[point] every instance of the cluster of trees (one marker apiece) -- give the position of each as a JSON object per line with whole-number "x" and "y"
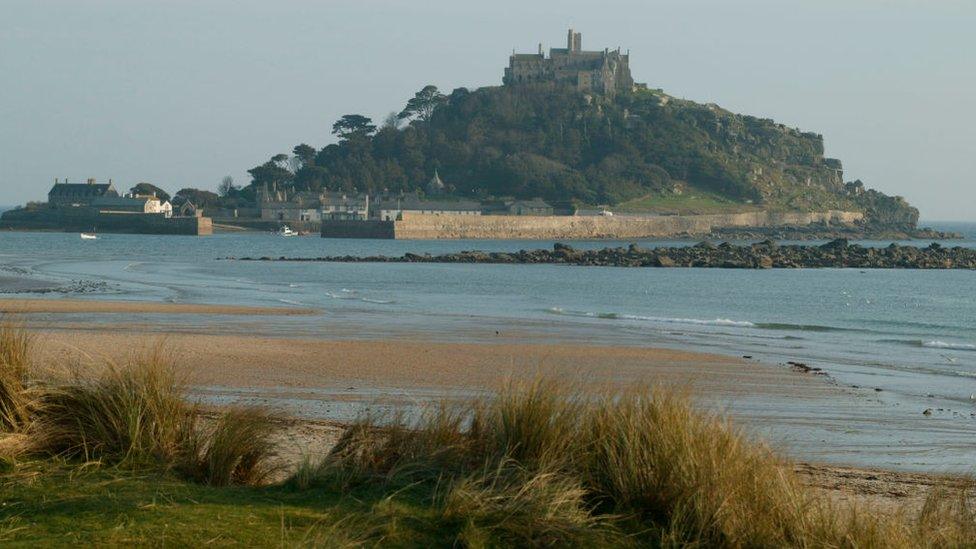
{"x": 553, "y": 142}
{"x": 540, "y": 140}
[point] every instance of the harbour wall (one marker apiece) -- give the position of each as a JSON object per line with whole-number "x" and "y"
{"x": 415, "y": 226}
{"x": 87, "y": 219}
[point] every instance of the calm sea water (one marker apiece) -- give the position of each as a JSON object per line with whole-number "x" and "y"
{"x": 910, "y": 333}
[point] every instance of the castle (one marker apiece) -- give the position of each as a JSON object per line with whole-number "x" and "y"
{"x": 605, "y": 72}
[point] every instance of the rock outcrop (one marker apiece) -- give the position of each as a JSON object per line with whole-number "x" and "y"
{"x": 767, "y": 254}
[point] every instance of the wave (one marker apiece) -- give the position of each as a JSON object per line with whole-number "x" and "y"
{"x": 933, "y": 344}
{"x": 936, "y": 344}
{"x": 290, "y": 301}
{"x": 338, "y": 296}
{"x": 350, "y": 295}
{"x": 378, "y": 301}
{"x": 663, "y": 320}
{"x": 804, "y": 327}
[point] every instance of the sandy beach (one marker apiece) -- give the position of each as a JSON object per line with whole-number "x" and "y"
{"x": 277, "y": 363}
{"x": 27, "y": 306}
{"x": 319, "y": 384}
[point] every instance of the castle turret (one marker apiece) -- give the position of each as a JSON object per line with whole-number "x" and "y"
{"x": 574, "y": 41}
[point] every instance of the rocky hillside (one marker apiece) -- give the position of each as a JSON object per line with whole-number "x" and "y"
{"x": 563, "y": 145}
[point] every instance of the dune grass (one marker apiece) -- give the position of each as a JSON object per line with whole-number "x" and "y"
{"x": 15, "y": 366}
{"x": 133, "y": 415}
{"x": 119, "y": 456}
{"x": 543, "y": 464}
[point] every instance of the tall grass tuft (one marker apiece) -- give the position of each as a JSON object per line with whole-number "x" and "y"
{"x": 512, "y": 506}
{"x": 652, "y": 455}
{"x": 235, "y": 451}
{"x": 131, "y": 414}
{"x": 544, "y": 464}
{"x": 138, "y": 415}
{"x": 15, "y": 365}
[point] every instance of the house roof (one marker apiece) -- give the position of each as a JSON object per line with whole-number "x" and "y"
{"x": 413, "y": 202}
{"x": 122, "y": 201}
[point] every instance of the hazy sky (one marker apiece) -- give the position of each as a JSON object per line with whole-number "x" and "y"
{"x": 181, "y": 93}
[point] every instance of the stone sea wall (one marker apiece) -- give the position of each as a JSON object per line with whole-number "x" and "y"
{"x": 431, "y": 226}
{"x": 87, "y": 219}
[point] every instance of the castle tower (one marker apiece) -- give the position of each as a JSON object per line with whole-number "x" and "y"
{"x": 574, "y": 41}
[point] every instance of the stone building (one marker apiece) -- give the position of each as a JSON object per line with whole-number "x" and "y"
{"x": 282, "y": 205}
{"x": 344, "y": 206}
{"x": 536, "y": 206}
{"x": 142, "y": 204}
{"x": 79, "y": 194}
{"x": 391, "y": 208}
{"x": 605, "y": 72}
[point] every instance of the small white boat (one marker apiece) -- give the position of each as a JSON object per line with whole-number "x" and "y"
{"x": 89, "y": 236}
{"x": 286, "y": 231}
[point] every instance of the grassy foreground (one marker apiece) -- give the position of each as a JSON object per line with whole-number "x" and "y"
{"x": 117, "y": 456}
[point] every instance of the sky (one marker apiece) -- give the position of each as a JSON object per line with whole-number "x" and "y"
{"x": 180, "y": 93}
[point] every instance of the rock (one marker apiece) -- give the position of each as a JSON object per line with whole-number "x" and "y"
{"x": 762, "y": 255}
{"x": 664, "y": 261}
{"x": 927, "y": 412}
{"x": 836, "y": 244}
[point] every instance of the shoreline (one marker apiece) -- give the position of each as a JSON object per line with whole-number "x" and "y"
{"x": 319, "y": 385}
{"x": 15, "y": 306}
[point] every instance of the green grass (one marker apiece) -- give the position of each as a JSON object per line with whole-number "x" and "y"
{"x": 51, "y": 503}
{"x": 692, "y": 201}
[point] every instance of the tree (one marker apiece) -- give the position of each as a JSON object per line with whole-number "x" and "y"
{"x": 269, "y": 172}
{"x": 305, "y": 154}
{"x": 392, "y": 121}
{"x": 149, "y": 188}
{"x": 353, "y": 126}
{"x": 199, "y": 198}
{"x": 226, "y": 186}
{"x": 423, "y": 104}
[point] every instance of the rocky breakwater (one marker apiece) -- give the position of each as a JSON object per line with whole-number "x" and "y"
{"x": 761, "y": 255}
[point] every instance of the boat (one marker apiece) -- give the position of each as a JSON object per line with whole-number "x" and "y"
{"x": 89, "y": 236}
{"x": 286, "y": 231}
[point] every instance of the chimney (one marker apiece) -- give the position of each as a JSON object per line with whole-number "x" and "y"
{"x": 540, "y": 48}
{"x": 91, "y": 180}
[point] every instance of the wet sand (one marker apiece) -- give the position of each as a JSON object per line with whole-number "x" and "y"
{"x": 285, "y": 364}
{"x": 29, "y": 306}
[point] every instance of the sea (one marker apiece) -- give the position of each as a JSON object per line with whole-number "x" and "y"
{"x": 905, "y": 340}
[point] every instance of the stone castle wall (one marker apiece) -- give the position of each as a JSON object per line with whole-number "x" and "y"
{"x": 427, "y": 226}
